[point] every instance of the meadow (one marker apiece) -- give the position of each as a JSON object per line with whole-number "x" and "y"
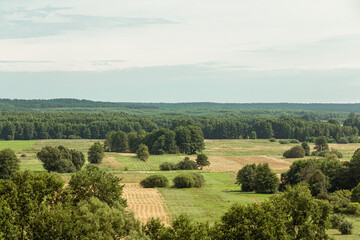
{"x": 202, "y": 204}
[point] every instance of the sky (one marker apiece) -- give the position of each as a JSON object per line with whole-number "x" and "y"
{"x": 180, "y": 50}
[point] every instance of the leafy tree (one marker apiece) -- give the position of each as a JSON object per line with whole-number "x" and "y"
{"x": 355, "y": 168}
{"x": 94, "y": 182}
{"x": 143, "y": 152}
{"x": 245, "y": 176}
{"x": 253, "y": 135}
{"x": 306, "y": 148}
{"x": 197, "y": 139}
{"x": 153, "y": 181}
{"x": 9, "y": 163}
{"x": 321, "y": 143}
{"x": 202, "y": 161}
{"x": 183, "y": 139}
{"x": 264, "y": 181}
{"x": 318, "y": 183}
{"x": 61, "y": 159}
{"x": 295, "y": 152}
{"x": 355, "y": 194}
{"x": 96, "y": 153}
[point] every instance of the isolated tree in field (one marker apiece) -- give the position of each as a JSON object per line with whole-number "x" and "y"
{"x": 321, "y": 143}
{"x": 96, "y": 153}
{"x": 245, "y": 176}
{"x": 306, "y": 148}
{"x": 9, "y": 163}
{"x": 264, "y": 181}
{"x": 202, "y": 160}
{"x": 143, "y": 152}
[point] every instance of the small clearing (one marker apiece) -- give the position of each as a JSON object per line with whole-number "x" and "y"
{"x": 146, "y": 203}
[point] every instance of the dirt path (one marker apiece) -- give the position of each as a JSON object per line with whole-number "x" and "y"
{"x": 146, "y": 203}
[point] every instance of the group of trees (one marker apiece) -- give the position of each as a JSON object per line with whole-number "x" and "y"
{"x": 258, "y": 178}
{"x": 61, "y": 159}
{"x": 188, "y": 140}
{"x": 186, "y": 164}
{"x": 39, "y": 206}
{"x": 34, "y": 125}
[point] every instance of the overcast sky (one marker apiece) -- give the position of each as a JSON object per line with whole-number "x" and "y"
{"x": 181, "y": 51}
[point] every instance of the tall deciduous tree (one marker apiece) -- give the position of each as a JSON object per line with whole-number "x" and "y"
{"x": 143, "y": 152}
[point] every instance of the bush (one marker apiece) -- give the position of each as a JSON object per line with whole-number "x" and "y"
{"x": 23, "y": 155}
{"x": 65, "y": 166}
{"x": 184, "y": 181}
{"x": 334, "y": 151}
{"x": 272, "y": 140}
{"x": 294, "y": 141}
{"x": 284, "y": 142}
{"x": 96, "y": 153}
{"x": 323, "y": 153}
{"x": 346, "y": 227}
{"x": 306, "y": 148}
{"x": 199, "y": 180}
{"x": 355, "y": 194}
{"x": 189, "y": 180}
{"x": 155, "y": 181}
{"x": 336, "y": 220}
{"x": 166, "y": 166}
{"x": 343, "y": 140}
{"x": 295, "y": 152}
{"x": 354, "y": 139}
{"x": 186, "y": 164}
{"x": 143, "y": 152}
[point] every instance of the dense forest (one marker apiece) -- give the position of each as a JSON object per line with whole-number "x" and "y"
{"x": 35, "y": 125}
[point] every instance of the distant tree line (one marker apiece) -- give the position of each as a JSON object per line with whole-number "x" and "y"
{"x": 68, "y": 125}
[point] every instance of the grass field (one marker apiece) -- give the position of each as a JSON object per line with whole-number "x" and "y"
{"x": 202, "y": 204}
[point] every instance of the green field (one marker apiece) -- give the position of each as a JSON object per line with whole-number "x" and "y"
{"x": 202, "y": 204}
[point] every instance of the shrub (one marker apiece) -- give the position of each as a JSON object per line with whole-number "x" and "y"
{"x": 155, "y": 181}
{"x": 336, "y": 220}
{"x": 23, "y": 155}
{"x": 323, "y": 153}
{"x": 245, "y": 176}
{"x": 284, "y": 142}
{"x": 353, "y": 209}
{"x": 294, "y": 141}
{"x": 9, "y": 163}
{"x": 353, "y": 139}
{"x": 199, "y": 180}
{"x": 272, "y": 140}
{"x": 189, "y": 180}
{"x": 186, "y": 164}
{"x": 346, "y": 227}
{"x": 355, "y": 194}
{"x": 295, "y": 152}
{"x": 166, "y": 166}
{"x": 253, "y": 135}
{"x": 334, "y": 151}
{"x": 65, "y": 166}
{"x": 184, "y": 181}
{"x": 343, "y": 140}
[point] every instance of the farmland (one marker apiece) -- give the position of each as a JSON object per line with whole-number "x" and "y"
{"x": 202, "y": 204}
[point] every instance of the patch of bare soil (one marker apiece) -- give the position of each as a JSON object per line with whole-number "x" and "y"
{"x": 235, "y": 163}
{"x": 146, "y": 203}
{"x": 127, "y": 154}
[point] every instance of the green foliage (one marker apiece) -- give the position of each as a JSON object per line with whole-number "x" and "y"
{"x": 189, "y": 180}
{"x": 245, "y": 176}
{"x": 343, "y": 140}
{"x": 295, "y": 152}
{"x": 321, "y": 143}
{"x": 143, "y": 152}
{"x": 346, "y": 227}
{"x": 272, "y": 140}
{"x": 355, "y": 194}
{"x": 252, "y": 135}
{"x": 61, "y": 159}
{"x": 318, "y": 183}
{"x": 116, "y": 142}
{"x": 94, "y": 182}
{"x": 9, "y": 163}
{"x": 336, "y": 220}
{"x": 284, "y": 142}
{"x": 96, "y": 153}
{"x": 154, "y": 181}
{"x": 166, "y": 166}
{"x": 294, "y": 141}
{"x": 294, "y": 214}
{"x": 202, "y": 161}
{"x": 264, "y": 180}
{"x": 186, "y": 164}
{"x": 306, "y": 148}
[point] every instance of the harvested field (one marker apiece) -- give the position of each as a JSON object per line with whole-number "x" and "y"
{"x": 110, "y": 162}
{"x": 234, "y": 163}
{"x": 146, "y": 203}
